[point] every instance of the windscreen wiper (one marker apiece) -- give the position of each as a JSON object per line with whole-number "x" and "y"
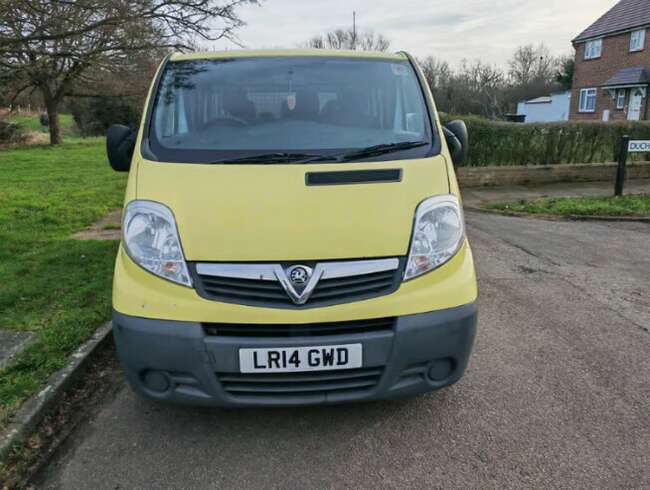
{"x": 284, "y": 157}
{"x": 278, "y": 157}
{"x": 371, "y": 151}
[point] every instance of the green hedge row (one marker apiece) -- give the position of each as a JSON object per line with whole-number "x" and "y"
{"x": 504, "y": 143}
{"x": 94, "y": 115}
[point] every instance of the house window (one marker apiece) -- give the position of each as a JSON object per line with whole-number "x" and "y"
{"x": 620, "y": 99}
{"x": 637, "y": 40}
{"x": 593, "y": 49}
{"x": 588, "y": 100}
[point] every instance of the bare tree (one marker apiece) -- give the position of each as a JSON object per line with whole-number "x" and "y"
{"x": 439, "y": 76}
{"x": 486, "y": 84}
{"x": 50, "y": 46}
{"x": 473, "y": 88}
{"x": 437, "y": 72}
{"x": 532, "y": 73}
{"x": 340, "y": 39}
{"x": 350, "y": 39}
{"x": 371, "y": 41}
{"x": 565, "y": 71}
{"x": 487, "y": 90}
{"x": 522, "y": 64}
{"x": 531, "y": 64}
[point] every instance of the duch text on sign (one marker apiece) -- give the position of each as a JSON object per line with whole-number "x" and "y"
{"x": 639, "y": 146}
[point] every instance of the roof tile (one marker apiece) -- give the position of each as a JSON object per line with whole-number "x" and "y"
{"x": 626, "y": 14}
{"x": 629, "y": 76}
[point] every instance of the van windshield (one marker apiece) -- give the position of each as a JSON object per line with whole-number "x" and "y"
{"x": 298, "y": 108}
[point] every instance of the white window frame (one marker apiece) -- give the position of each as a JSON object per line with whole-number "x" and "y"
{"x": 587, "y": 94}
{"x": 594, "y": 49}
{"x": 637, "y": 40}
{"x": 621, "y": 96}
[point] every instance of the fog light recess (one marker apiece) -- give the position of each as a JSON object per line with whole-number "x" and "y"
{"x": 157, "y": 381}
{"x": 441, "y": 369}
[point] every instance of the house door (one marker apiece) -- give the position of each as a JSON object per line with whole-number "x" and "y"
{"x": 634, "y": 109}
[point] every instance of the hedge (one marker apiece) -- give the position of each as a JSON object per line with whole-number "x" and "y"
{"x": 10, "y": 133}
{"x": 505, "y": 143}
{"x": 94, "y": 115}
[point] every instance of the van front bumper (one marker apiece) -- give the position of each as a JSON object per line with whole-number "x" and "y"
{"x": 180, "y": 363}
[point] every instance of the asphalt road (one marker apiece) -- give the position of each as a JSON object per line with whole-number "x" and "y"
{"x": 557, "y": 394}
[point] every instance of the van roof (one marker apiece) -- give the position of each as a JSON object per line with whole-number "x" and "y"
{"x": 268, "y": 53}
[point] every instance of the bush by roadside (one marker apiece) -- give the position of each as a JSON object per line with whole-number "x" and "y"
{"x": 11, "y": 133}
{"x": 504, "y": 143}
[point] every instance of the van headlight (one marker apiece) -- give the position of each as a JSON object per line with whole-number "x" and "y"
{"x": 438, "y": 234}
{"x": 151, "y": 239}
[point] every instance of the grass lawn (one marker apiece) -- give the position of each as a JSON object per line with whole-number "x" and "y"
{"x": 638, "y": 205}
{"x": 51, "y": 285}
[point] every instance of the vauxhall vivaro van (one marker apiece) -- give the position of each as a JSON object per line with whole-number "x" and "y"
{"x": 292, "y": 232}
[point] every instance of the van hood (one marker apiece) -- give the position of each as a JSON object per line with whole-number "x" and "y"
{"x": 269, "y": 213}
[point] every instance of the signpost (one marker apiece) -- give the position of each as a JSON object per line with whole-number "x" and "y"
{"x": 628, "y": 146}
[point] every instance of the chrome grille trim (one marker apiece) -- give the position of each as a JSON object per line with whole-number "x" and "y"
{"x": 267, "y": 284}
{"x": 267, "y": 272}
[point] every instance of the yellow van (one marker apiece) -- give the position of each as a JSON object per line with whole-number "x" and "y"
{"x": 292, "y": 232}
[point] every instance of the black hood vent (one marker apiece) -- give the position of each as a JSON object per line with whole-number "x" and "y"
{"x": 346, "y": 177}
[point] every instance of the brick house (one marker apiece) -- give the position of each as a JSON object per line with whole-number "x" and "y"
{"x": 612, "y": 70}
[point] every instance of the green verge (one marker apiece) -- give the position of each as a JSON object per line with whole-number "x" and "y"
{"x": 54, "y": 286}
{"x": 634, "y": 205}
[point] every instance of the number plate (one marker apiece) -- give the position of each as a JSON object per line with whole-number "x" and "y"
{"x": 297, "y": 359}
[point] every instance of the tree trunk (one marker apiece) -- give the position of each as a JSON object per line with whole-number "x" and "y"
{"x": 52, "y": 107}
{"x": 53, "y": 117}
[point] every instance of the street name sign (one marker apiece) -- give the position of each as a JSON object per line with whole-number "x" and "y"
{"x": 638, "y": 146}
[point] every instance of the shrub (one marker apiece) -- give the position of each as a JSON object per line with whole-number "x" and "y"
{"x": 504, "y": 143}
{"x": 11, "y": 133}
{"x": 94, "y": 115}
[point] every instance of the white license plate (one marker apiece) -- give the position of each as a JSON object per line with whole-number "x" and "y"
{"x": 297, "y": 359}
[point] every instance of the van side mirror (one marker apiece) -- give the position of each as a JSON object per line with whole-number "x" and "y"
{"x": 457, "y": 140}
{"x": 120, "y": 143}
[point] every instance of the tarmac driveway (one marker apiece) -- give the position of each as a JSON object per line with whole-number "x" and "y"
{"x": 557, "y": 393}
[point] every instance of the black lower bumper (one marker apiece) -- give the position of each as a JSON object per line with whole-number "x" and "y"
{"x": 179, "y": 362}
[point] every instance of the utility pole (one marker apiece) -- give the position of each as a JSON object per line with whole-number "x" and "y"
{"x": 354, "y": 29}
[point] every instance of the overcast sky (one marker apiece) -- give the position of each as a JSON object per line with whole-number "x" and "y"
{"x": 451, "y": 30}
